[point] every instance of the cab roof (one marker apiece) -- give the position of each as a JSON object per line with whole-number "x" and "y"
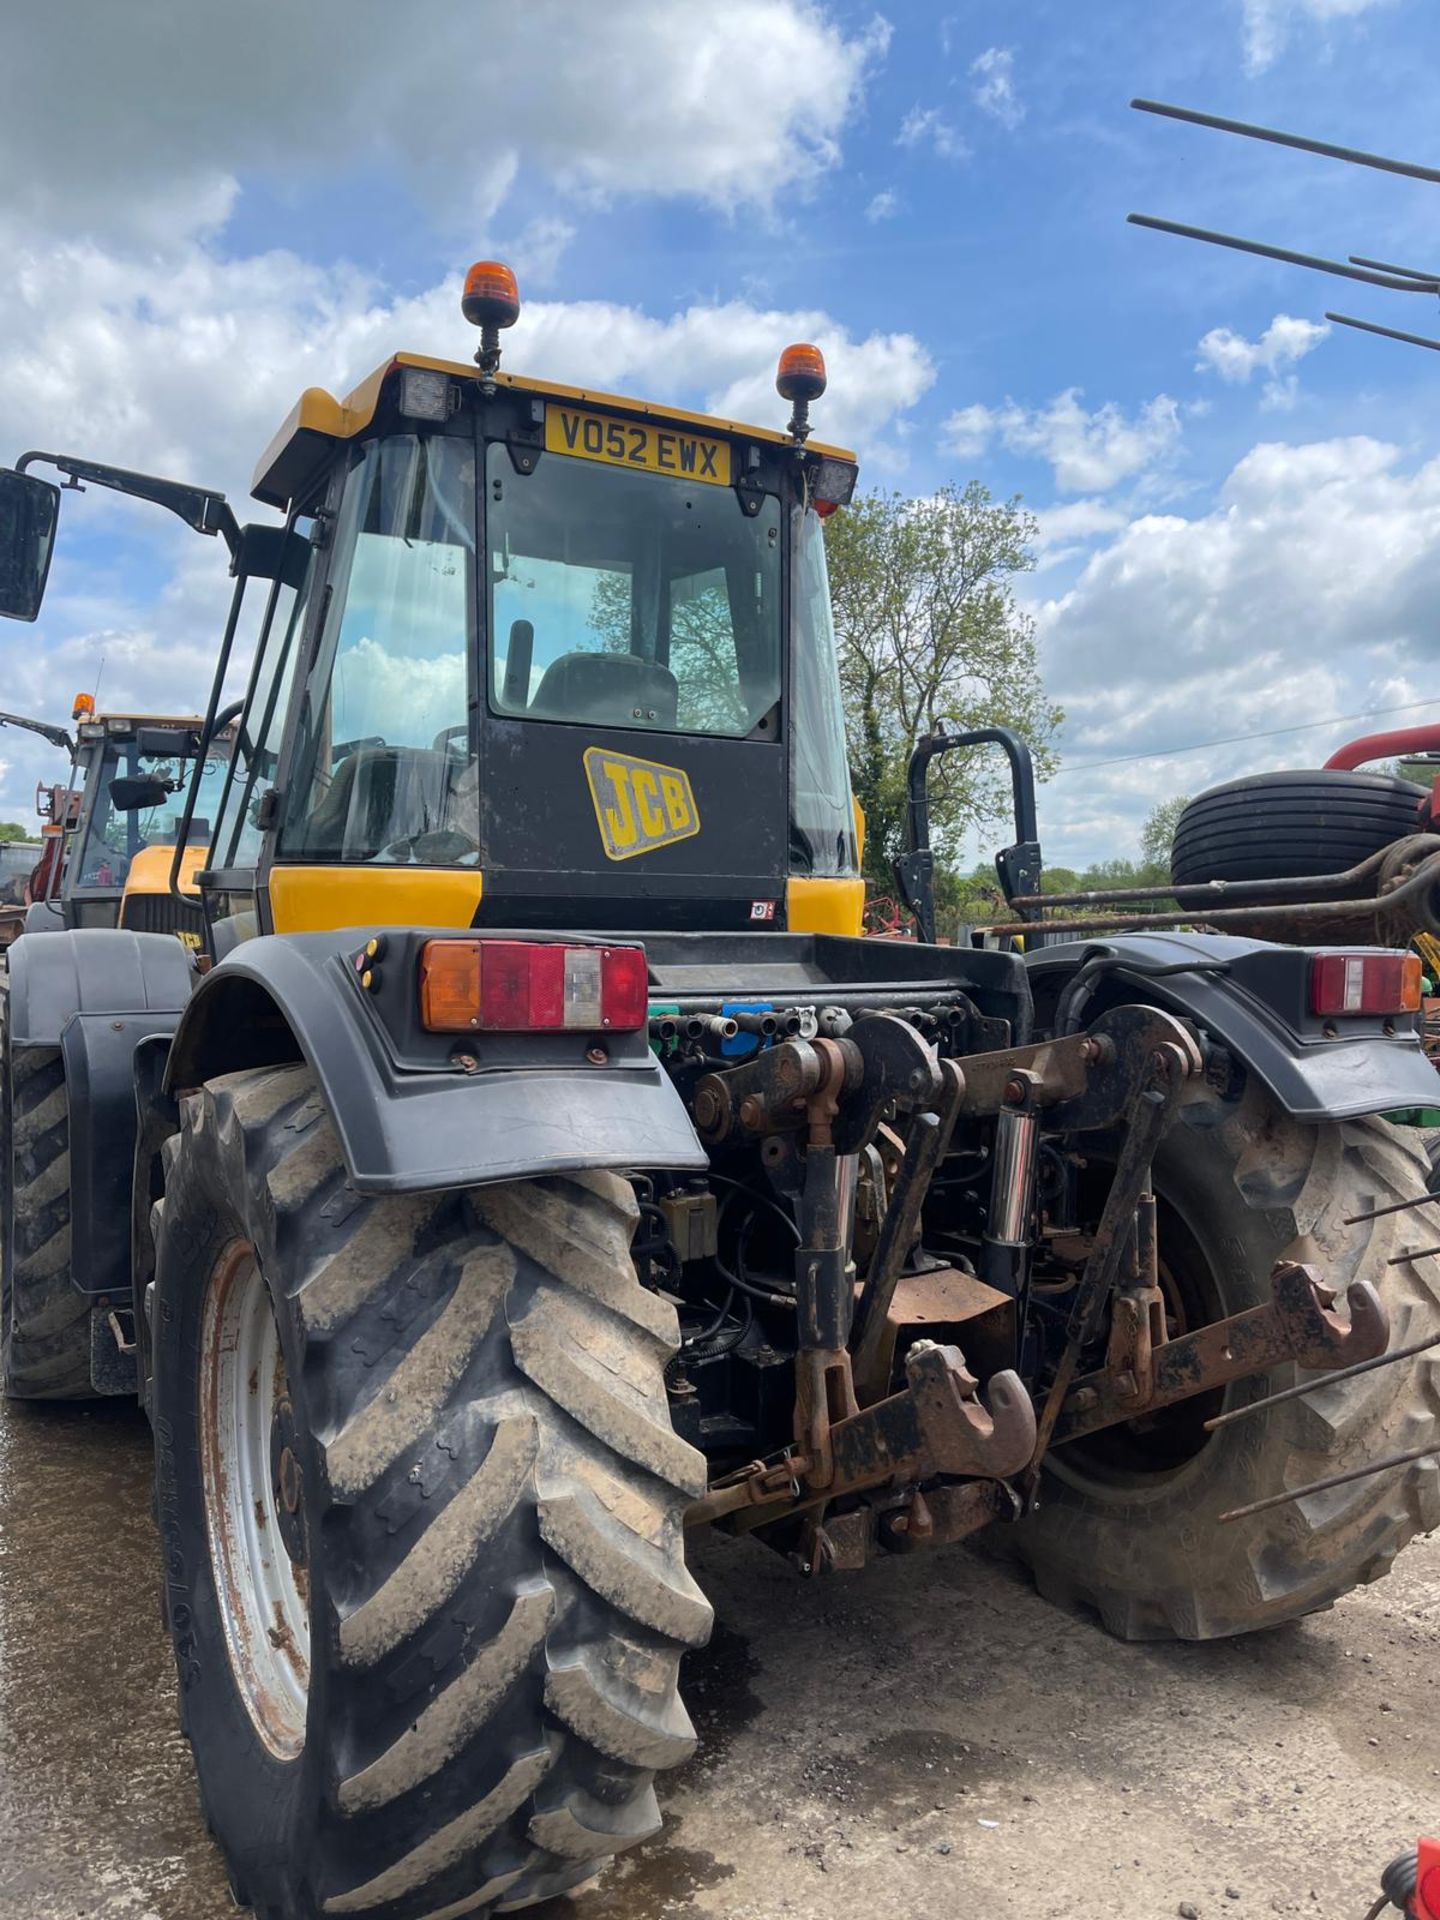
{"x": 187, "y": 721}
{"x": 318, "y": 421}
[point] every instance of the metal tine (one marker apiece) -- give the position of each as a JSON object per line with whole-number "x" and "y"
{"x": 1389, "y": 266}
{"x": 1395, "y": 1206}
{"x": 1335, "y": 1480}
{"x": 1390, "y": 333}
{"x": 1311, "y": 1386}
{"x": 1355, "y": 155}
{"x": 1281, "y": 253}
{"x": 1415, "y": 1253}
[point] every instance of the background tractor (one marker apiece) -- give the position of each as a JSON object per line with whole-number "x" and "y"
{"x": 118, "y": 821}
{"x": 536, "y": 1165}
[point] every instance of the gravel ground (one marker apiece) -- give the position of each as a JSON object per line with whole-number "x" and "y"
{"x": 926, "y": 1738}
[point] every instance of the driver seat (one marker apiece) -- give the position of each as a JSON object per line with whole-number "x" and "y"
{"x": 380, "y": 795}
{"x": 609, "y": 689}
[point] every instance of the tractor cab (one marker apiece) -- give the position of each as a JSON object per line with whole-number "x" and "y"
{"x": 120, "y": 819}
{"x": 541, "y": 657}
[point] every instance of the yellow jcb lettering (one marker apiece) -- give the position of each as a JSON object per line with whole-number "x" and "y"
{"x": 646, "y": 790}
{"x": 677, "y": 804}
{"x": 620, "y": 819}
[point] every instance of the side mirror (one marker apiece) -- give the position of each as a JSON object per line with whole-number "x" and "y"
{"x": 134, "y": 795}
{"x": 29, "y": 510}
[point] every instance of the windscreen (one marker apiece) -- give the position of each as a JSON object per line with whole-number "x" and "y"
{"x": 622, "y": 599}
{"x": 113, "y": 834}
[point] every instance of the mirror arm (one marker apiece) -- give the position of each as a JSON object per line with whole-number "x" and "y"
{"x": 57, "y": 736}
{"x": 199, "y": 507}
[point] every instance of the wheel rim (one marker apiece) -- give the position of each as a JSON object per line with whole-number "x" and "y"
{"x": 254, "y": 1501}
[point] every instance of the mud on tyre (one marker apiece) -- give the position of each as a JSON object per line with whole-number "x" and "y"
{"x": 479, "y": 1495}
{"x": 1128, "y": 1522}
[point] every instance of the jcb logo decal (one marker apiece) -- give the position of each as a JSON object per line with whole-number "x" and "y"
{"x": 639, "y": 804}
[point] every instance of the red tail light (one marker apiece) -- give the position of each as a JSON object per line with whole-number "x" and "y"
{"x": 1374, "y": 983}
{"x": 1427, "y": 1882}
{"x": 531, "y": 986}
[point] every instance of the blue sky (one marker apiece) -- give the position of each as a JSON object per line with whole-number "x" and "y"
{"x": 1240, "y": 510}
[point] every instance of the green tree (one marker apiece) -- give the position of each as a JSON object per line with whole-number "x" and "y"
{"x": 929, "y": 633}
{"x": 702, "y": 644}
{"x": 12, "y": 830}
{"x": 1157, "y": 836}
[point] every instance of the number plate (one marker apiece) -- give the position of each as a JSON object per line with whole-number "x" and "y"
{"x": 631, "y": 443}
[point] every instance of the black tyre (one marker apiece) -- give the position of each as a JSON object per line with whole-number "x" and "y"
{"x": 44, "y": 1320}
{"x": 421, "y": 1507}
{"x": 1128, "y": 1519}
{"x": 1280, "y": 826}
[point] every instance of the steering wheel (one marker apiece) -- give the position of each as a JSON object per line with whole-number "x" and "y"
{"x": 221, "y": 721}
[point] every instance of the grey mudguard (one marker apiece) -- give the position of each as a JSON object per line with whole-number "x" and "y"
{"x": 44, "y": 916}
{"x": 407, "y": 1130}
{"x": 94, "y": 970}
{"x": 1258, "y": 1009}
{"x": 96, "y": 994}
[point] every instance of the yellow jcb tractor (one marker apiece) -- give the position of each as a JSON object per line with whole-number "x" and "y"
{"x": 119, "y": 818}
{"x": 535, "y": 1165}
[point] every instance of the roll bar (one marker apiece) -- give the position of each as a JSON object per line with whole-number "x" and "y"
{"x": 1018, "y": 866}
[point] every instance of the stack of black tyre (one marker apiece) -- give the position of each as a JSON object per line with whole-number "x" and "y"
{"x": 1282, "y": 826}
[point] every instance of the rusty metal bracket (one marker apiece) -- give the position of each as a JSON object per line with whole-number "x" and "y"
{"x": 873, "y": 1338}
{"x": 1298, "y": 1325}
{"x": 775, "y": 1090}
{"x": 900, "y": 1069}
{"x": 1166, "y": 1070}
{"x": 1084, "y": 1080}
{"x": 945, "y": 1514}
{"x": 938, "y": 1424}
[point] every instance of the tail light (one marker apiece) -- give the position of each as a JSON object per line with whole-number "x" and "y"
{"x": 531, "y": 986}
{"x": 1427, "y": 1881}
{"x": 1373, "y": 983}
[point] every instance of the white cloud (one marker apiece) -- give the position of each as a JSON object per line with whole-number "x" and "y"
{"x": 884, "y": 206}
{"x": 1060, "y": 530}
{"x": 928, "y": 127}
{"x": 1268, "y": 23}
{"x": 169, "y": 105}
{"x": 994, "y": 92}
{"x": 1284, "y": 343}
{"x": 1307, "y": 590}
{"x": 968, "y": 431}
{"x": 538, "y": 249}
{"x": 1090, "y": 452}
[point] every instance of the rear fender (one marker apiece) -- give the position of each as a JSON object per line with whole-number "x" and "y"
{"x": 1255, "y": 1003}
{"x": 98, "y": 995}
{"x": 411, "y": 1123}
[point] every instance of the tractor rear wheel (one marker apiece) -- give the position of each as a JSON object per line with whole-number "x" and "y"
{"x": 422, "y": 1516}
{"x": 1127, "y": 1521}
{"x": 44, "y": 1319}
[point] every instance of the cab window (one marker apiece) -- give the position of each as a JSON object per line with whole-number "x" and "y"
{"x": 383, "y": 769}
{"x": 631, "y": 599}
